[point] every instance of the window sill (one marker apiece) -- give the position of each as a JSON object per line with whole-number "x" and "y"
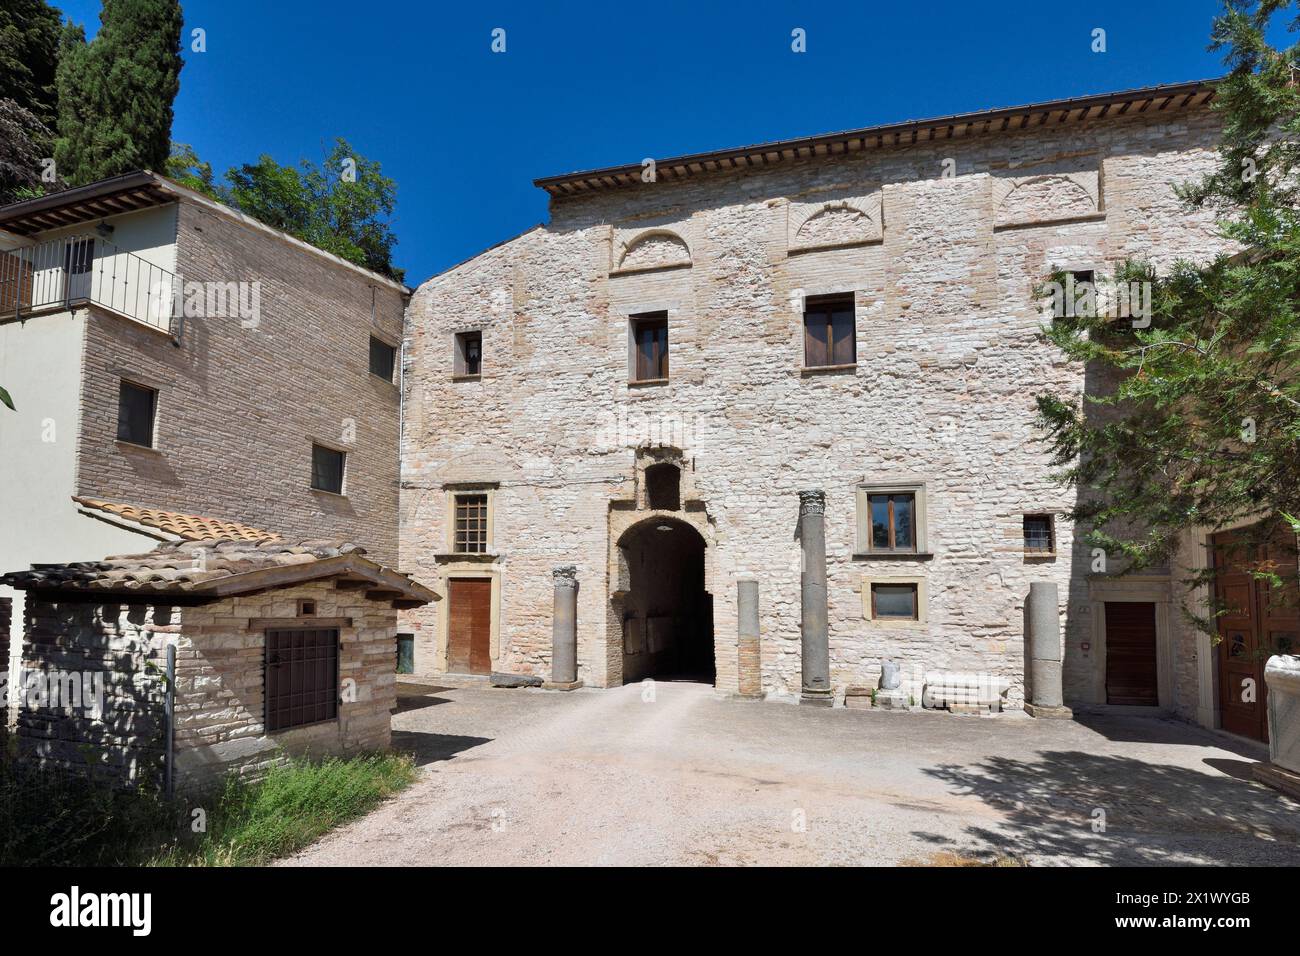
{"x": 380, "y": 378}
{"x": 467, "y": 557}
{"x": 467, "y": 378}
{"x": 827, "y": 369}
{"x": 639, "y": 382}
{"x": 893, "y": 555}
{"x": 123, "y": 443}
{"x": 1040, "y": 555}
{"x": 332, "y": 494}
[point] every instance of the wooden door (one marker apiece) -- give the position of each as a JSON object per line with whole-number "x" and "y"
{"x": 1258, "y": 621}
{"x": 469, "y": 626}
{"x": 1131, "y": 676}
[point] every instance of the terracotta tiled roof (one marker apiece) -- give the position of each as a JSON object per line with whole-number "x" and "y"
{"x": 213, "y": 569}
{"x": 189, "y": 527}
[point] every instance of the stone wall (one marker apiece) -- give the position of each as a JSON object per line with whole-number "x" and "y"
{"x": 219, "y": 685}
{"x": 948, "y": 364}
{"x": 239, "y": 407}
{"x": 75, "y": 647}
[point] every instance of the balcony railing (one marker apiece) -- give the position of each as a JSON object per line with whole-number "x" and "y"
{"x": 76, "y": 270}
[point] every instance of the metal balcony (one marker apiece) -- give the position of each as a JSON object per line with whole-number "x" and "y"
{"x": 74, "y": 271}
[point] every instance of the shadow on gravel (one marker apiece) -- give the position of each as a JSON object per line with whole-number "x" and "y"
{"x": 429, "y": 748}
{"x": 1055, "y": 804}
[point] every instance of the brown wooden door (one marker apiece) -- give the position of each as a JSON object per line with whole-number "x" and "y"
{"x": 469, "y": 626}
{"x": 1131, "y": 653}
{"x": 1257, "y": 622}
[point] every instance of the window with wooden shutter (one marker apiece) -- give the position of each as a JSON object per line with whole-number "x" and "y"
{"x": 301, "y": 679}
{"x": 650, "y": 347}
{"x": 830, "y": 333}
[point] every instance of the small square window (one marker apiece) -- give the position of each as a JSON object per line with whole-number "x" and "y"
{"x": 471, "y": 535}
{"x": 327, "y": 466}
{"x": 650, "y": 347}
{"x": 894, "y": 602}
{"x": 306, "y": 608}
{"x": 469, "y": 353}
{"x": 136, "y": 406}
{"x": 1039, "y": 535}
{"x": 829, "y": 332}
{"x": 383, "y": 358}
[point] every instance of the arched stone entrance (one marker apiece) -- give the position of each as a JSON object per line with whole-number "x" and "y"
{"x": 667, "y": 611}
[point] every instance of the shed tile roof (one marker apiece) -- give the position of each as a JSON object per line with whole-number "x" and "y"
{"x": 187, "y": 526}
{"x": 213, "y": 569}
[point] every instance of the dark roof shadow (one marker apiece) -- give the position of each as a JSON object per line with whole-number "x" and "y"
{"x": 429, "y": 748}
{"x": 1120, "y": 811}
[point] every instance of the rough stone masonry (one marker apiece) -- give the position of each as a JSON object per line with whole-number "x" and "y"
{"x": 939, "y": 244}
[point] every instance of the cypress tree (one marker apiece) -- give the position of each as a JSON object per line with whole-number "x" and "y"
{"x": 116, "y": 93}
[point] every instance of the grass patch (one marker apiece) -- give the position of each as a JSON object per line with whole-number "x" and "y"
{"x": 57, "y": 820}
{"x": 251, "y": 824}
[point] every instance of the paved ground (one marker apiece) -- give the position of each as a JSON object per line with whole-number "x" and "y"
{"x": 601, "y": 777}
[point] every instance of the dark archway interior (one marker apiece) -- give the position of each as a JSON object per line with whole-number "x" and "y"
{"x": 664, "y": 487}
{"x": 667, "y": 614}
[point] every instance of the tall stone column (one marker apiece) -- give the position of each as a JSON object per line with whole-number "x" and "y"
{"x": 815, "y": 635}
{"x": 748, "y": 653}
{"x": 1043, "y": 635}
{"x": 564, "y": 628}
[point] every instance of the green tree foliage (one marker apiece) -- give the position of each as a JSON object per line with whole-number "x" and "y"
{"x": 342, "y": 205}
{"x": 1202, "y": 428}
{"x": 29, "y": 45}
{"x": 115, "y": 93}
{"x": 21, "y": 153}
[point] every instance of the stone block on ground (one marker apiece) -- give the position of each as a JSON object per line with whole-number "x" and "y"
{"x": 515, "y": 680}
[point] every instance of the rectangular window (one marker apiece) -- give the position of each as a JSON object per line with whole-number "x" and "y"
{"x": 301, "y": 679}
{"x": 383, "y": 357}
{"x": 893, "y": 602}
{"x": 471, "y": 524}
{"x": 1077, "y": 299}
{"x": 327, "y": 469}
{"x": 829, "y": 333}
{"x": 893, "y": 522}
{"x": 136, "y": 405}
{"x": 650, "y": 347}
{"x": 469, "y": 353}
{"x": 1039, "y": 537}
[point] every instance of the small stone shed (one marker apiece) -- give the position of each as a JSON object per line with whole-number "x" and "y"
{"x": 281, "y": 649}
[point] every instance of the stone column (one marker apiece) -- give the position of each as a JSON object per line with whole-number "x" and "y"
{"x": 749, "y": 660}
{"x": 1043, "y": 637}
{"x": 816, "y": 650}
{"x": 564, "y": 629}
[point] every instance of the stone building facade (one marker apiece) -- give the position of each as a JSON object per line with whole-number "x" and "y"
{"x": 543, "y": 427}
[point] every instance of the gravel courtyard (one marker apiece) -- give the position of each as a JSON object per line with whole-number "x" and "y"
{"x": 603, "y": 777}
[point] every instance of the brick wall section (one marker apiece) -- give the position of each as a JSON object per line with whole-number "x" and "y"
{"x": 219, "y": 686}
{"x": 238, "y": 407}
{"x": 948, "y": 364}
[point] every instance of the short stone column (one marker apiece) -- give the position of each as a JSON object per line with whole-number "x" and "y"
{"x": 748, "y": 649}
{"x": 1043, "y": 648}
{"x": 814, "y": 631}
{"x": 564, "y": 630}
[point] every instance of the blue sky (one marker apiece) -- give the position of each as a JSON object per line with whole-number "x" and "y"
{"x": 464, "y": 131}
